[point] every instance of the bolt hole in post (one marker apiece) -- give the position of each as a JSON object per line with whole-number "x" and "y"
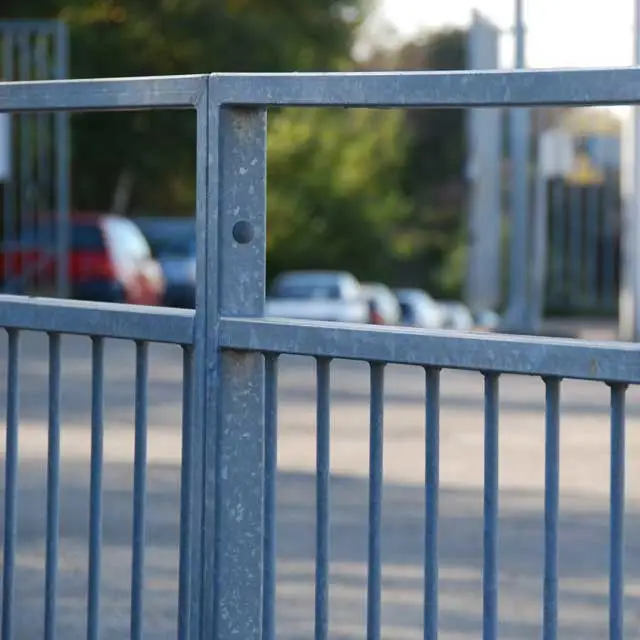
{"x": 243, "y": 232}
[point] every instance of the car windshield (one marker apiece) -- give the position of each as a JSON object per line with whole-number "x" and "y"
{"x": 304, "y": 290}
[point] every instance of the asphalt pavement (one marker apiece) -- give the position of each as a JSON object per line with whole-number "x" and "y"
{"x": 584, "y": 521}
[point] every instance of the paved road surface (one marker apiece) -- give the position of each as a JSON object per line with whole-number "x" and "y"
{"x": 583, "y": 527}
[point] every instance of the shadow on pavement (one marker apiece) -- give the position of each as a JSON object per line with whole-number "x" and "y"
{"x": 583, "y": 558}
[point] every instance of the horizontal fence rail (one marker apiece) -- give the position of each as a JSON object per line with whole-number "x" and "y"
{"x": 227, "y": 573}
{"x": 99, "y": 319}
{"x": 582, "y": 360}
{"x": 168, "y": 92}
{"x": 462, "y": 89}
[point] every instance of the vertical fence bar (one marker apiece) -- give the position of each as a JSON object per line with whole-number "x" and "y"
{"x": 616, "y": 550}
{"x": 139, "y": 491}
{"x": 575, "y": 235}
{"x": 432, "y": 482}
{"x": 62, "y": 163}
{"x": 11, "y": 484}
{"x": 323, "y": 470}
{"x": 376, "y": 451}
{"x": 42, "y": 182}
{"x": 610, "y": 235}
{"x": 234, "y": 499}
{"x": 591, "y": 246}
{"x": 559, "y": 241}
{"x": 53, "y": 490}
{"x": 551, "y": 506}
{"x": 8, "y": 196}
{"x": 186, "y": 489}
{"x": 95, "y": 490}
{"x": 491, "y": 475}
{"x": 270, "y": 476}
{"x": 199, "y": 412}
{"x": 26, "y": 119}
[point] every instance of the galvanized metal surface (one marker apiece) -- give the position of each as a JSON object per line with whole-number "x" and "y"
{"x": 226, "y": 574}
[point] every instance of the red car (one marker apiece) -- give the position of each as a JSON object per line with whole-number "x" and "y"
{"x": 109, "y": 261}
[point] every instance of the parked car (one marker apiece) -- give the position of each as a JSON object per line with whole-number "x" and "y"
{"x": 419, "y": 309}
{"x": 384, "y": 307}
{"x": 173, "y": 245}
{"x": 109, "y": 261}
{"x": 456, "y": 315}
{"x": 486, "y": 320}
{"x": 317, "y": 295}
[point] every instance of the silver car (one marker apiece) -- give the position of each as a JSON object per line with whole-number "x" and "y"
{"x": 419, "y": 309}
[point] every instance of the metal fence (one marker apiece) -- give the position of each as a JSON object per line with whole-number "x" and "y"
{"x": 38, "y": 180}
{"x": 227, "y": 545}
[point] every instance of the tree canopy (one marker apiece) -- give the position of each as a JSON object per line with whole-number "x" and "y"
{"x": 377, "y": 192}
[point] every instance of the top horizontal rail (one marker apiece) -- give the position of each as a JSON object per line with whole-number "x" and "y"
{"x": 103, "y": 95}
{"x": 619, "y": 86}
{"x": 127, "y": 322}
{"x": 554, "y": 358}
{"x": 368, "y": 89}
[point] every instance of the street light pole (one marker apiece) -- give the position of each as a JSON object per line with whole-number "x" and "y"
{"x": 517, "y": 311}
{"x": 629, "y": 301}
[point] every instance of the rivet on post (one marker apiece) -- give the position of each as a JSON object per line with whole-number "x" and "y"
{"x": 243, "y": 232}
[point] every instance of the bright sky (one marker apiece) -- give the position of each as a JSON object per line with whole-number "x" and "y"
{"x": 560, "y": 33}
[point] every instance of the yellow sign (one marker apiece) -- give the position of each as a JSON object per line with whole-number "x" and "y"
{"x": 584, "y": 173}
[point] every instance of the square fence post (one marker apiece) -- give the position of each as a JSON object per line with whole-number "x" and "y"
{"x": 234, "y": 436}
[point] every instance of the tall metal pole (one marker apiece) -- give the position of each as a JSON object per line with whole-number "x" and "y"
{"x": 63, "y": 181}
{"x": 629, "y": 302}
{"x": 516, "y": 318}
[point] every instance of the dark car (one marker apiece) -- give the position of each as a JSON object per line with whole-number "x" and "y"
{"x": 109, "y": 260}
{"x": 173, "y": 245}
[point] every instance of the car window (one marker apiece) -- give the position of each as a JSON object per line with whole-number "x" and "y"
{"x": 298, "y": 291}
{"x": 86, "y": 237}
{"x": 170, "y": 243}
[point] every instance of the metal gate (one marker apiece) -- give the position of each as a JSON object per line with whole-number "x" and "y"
{"x": 581, "y": 176}
{"x": 36, "y": 183}
{"x": 227, "y": 559}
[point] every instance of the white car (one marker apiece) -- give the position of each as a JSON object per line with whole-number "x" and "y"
{"x": 457, "y": 315}
{"x": 419, "y": 309}
{"x": 385, "y": 303}
{"x": 317, "y": 295}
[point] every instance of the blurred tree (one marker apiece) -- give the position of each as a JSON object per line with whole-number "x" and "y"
{"x": 147, "y": 159}
{"x": 345, "y": 207}
{"x": 433, "y": 174}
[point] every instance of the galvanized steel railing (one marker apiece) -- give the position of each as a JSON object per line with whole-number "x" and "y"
{"x": 227, "y": 552}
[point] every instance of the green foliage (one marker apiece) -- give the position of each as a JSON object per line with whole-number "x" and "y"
{"x": 156, "y": 150}
{"x": 334, "y": 190}
{"x": 433, "y": 173}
